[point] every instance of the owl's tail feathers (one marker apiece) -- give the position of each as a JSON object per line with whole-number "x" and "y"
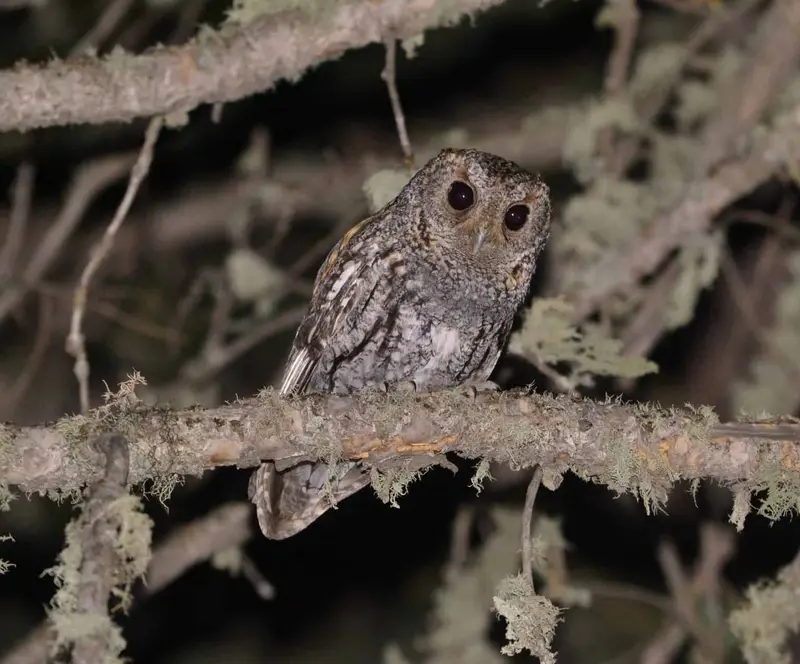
{"x": 289, "y": 501}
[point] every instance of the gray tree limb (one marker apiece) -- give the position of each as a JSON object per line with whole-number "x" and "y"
{"x": 214, "y": 67}
{"x": 642, "y": 448}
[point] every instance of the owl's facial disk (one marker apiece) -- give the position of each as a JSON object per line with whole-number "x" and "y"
{"x": 491, "y": 205}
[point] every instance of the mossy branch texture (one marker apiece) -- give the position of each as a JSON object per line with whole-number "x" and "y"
{"x": 249, "y": 54}
{"x": 630, "y": 447}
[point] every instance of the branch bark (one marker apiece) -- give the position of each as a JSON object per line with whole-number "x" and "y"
{"x": 225, "y": 66}
{"x": 637, "y": 447}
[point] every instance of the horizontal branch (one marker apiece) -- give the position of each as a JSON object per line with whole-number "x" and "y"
{"x": 235, "y": 62}
{"x": 626, "y": 446}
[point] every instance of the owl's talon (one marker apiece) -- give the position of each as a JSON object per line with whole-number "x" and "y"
{"x": 405, "y": 386}
{"x": 474, "y": 389}
{"x": 486, "y": 386}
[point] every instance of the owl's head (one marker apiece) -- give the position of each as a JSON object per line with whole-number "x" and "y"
{"x": 485, "y": 210}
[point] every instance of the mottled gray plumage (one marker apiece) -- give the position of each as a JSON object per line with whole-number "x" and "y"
{"x": 419, "y": 292}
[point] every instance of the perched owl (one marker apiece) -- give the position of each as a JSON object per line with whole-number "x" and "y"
{"x": 423, "y": 292}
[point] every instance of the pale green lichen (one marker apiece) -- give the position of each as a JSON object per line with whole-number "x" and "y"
{"x": 741, "y": 508}
{"x": 657, "y": 66}
{"x": 383, "y": 186}
{"x": 121, "y": 413}
{"x": 549, "y": 335}
{"x": 392, "y": 483}
{"x": 460, "y": 620}
{"x": 6, "y": 565}
{"x": 483, "y": 471}
{"x": 698, "y": 264}
{"x": 531, "y": 619}
{"x": 580, "y": 143}
{"x": 770, "y": 615}
{"x": 132, "y": 530}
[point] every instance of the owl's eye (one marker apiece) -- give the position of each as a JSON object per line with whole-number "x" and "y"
{"x": 460, "y": 196}
{"x": 516, "y": 216}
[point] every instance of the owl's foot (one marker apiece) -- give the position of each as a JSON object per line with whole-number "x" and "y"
{"x": 486, "y": 386}
{"x": 474, "y": 389}
{"x": 407, "y": 386}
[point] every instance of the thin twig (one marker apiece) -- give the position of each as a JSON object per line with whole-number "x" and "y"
{"x": 21, "y": 198}
{"x": 75, "y": 340}
{"x": 527, "y": 521}
{"x": 716, "y": 548}
{"x": 226, "y": 526}
{"x": 716, "y": 22}
{"x": 459, "y": 540}
{"x": 108, "y": 21}
{"x": 88, "y": 181}
{"x": 744, "y": 299}
{"x": 44, "y": 332}
{"x": 770, "y": 65}
{"x": 261, "y": 585}
{"x": 389, "y": 75}
{"x": 704, "y": 198}
{"x": 624, "y": 18}
{"x": 204, "y": 367}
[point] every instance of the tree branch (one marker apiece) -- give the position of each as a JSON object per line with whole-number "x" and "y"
{"x": 225, "y": 66}
{"x": 636, "y": 447}
{"x": 704, "y": 199}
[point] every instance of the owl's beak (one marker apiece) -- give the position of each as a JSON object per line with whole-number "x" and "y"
{"x": 480, "y": 239}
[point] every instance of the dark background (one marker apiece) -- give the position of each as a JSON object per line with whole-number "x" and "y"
{"x": 364, "y": 574}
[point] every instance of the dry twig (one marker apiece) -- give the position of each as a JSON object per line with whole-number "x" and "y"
{"x": 623, "y": 16}
{"x": 771, "y": 63}
{"x": 389, "y": 76}
{"x": 108, "y": 21}
{"x": 716, "y": 549}
{"x": 75, "y": 340}
{"x": 88, "y": 181}
{"x": 21, "y": 199}
{"x": 527, "y": 521}
{"x": 44, "y": 332}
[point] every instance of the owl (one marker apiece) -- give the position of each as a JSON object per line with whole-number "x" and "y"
{"x": 423, "y": 293}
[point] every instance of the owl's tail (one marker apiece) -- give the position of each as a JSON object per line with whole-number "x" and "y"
{"x": 290, "y": 500}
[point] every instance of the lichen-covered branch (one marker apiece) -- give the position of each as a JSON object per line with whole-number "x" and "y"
{"x": 107, "y": 549}
{"x": 630, "y": 447}
{"x": 246, "y": 56}
{"x": 702, "y": 201}
{"x": 227, "y": 526}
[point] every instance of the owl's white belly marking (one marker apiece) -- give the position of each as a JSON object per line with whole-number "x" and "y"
{"x": 445, "y": 343}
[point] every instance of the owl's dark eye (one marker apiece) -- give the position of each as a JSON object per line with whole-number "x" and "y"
{"x": 516, "y": 216}
{"x": 460, "y": 197}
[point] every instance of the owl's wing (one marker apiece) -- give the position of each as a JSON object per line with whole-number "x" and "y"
{"x": 354, "y": 275}
{"x": 346, "y": 284}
